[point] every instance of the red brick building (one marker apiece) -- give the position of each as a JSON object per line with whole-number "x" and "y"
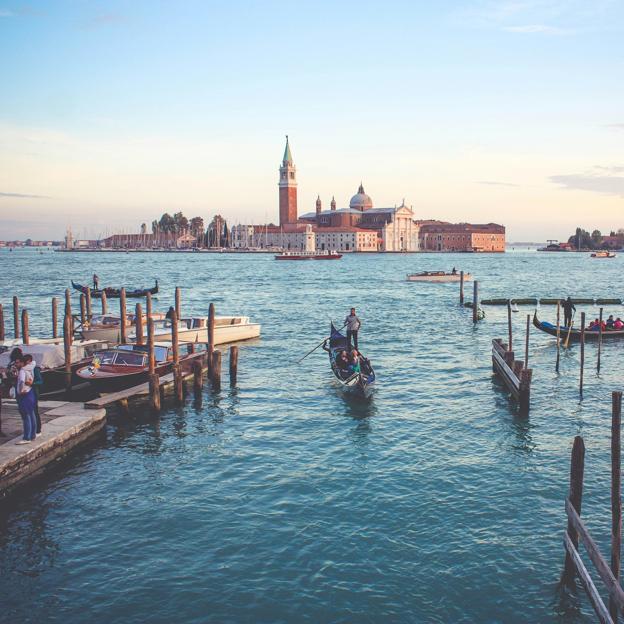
{"x": 442, "y": 236}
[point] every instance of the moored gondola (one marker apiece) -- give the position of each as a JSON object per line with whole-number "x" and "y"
{"x": 575, "y": 334}
{"x": 360, "y": 384}
{"x": 115, "y": 293}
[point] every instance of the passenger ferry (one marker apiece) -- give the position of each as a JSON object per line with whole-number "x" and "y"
{"x": 308, "y": 255}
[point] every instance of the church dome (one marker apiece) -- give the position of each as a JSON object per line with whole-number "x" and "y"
{"x": 361, "y": 201}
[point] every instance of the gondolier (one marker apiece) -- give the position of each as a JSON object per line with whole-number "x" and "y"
{"x": 96, "y": 282}
{"x": 353, "y": 324}
{"x": 568, "y": 308}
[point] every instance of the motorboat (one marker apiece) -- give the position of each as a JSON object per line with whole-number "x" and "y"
{"x": 309, "y": 255}
{"x": 438, "y": 276}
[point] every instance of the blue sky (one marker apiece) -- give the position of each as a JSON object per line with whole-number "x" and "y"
{"x": 113, "y": 112}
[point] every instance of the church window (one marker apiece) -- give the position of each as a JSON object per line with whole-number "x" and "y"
{"x": 292, "y": 175}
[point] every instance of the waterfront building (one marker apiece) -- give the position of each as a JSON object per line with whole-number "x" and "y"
{"x": 466, "y": 237}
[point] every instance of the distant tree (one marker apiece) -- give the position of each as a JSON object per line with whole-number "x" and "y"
{"x": 197, "y": 227}
{"x": 596, "y": 237}
{"x": 166, "y": 223}
{"x": 180, "y": 222}
{"x": 154, "y": 227}
{"x": 620, "y": 232}
{"x": 581, "y": 239}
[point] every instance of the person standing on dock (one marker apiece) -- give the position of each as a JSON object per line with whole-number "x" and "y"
{"x": 568, "y": 309}
{"x": 96, "y": 282}
{"x": 353, "y": 327}
{"x": 25, "y": 397}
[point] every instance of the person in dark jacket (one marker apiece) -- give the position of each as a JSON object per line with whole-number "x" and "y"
{"x": 568, "y": 309}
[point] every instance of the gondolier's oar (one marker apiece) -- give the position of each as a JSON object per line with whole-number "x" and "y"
{"x": 317, "y": 346}
{"x": 567, "y": 340}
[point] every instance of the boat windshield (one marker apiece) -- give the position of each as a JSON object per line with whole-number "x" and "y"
{"x": 107, "y": 357}
{"x": 130, "y": 358}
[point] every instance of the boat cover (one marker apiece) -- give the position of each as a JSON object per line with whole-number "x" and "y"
{"x": 46, "y": 356}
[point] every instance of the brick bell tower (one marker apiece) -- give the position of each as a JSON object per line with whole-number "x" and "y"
{"x": 287, "y": 188}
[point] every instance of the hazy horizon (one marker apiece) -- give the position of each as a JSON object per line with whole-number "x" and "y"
{"x": 510, "y": 112}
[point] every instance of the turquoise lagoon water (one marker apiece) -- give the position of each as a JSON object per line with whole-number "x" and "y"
{"x": 284, "y": 501}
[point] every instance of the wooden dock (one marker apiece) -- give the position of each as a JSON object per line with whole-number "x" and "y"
{"x": 64, "y": 426}
{"x": 513, "y": 373}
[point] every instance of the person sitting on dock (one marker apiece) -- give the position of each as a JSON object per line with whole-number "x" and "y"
{"x": 610, "y": 322}
{"x": 568, "y": 308}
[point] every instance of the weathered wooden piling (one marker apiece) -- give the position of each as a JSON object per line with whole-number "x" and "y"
{"x": 513, "y": 373}
{"x": 461, "y": 288}
{"x": 25, "y": 329}
{"x": 599, "y": 342}
{"x": 122, "y": 316}
{"x": 68, "y": 307}
{"x": 138, "y": 323}
{"x": 54, "y": 317}
{"x": 616, "y": 497}
{"x": 233, "y": 365}
{"x": 475, "y": 302}
{"x": 178, "y": 381}
{"x": 509, "y": 326}
{"x": 558, "y": 336}
{"x": 104, "y": 303}
{"x": 526, "y": 343}
{"x": 582, "y": 353}
{"x": 67, "y": 342}
{"x": 16, "y": 320}
{"x": 178, "y": 302}
{"x": 83, "y": 310}
{"x": 211, "y": 325}
{"x": 154, "y": 382}
{"x": 88, "y": 302}
{"x": 1, "y": 323}
{"x": 148, "y": 305}
{"x": 198, "y": 377}
{"x": 575, "y": 496}
{"x": 215, "y": 378}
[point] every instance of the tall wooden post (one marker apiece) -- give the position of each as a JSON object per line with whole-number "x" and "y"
{"x": 88, "y": 301}
{"x": 211, "y": 326}
{"x": 616, "y": 497}
{"x": 68, "y": 314}
{"x": 599, "y": 342}
{"x": 558, "y": 335}
{"x": 526, "y": 344}
{"x": 216, "y": 371}
{"x": 83, "y": 310}
{"x": 68, "y": 308}
{"x": 54, "y": 317}
{"x": 178, "y": 303}
{"x": 154, "y": 382}
{"x": 104, "y": 303}
{"x": 67, "y": 342}
{"x": 475, "y": 303}
{"x": 16, "y": 321}
{"x": 461, "y": 288}
{"x": 148, "y": 305}
{"x": 1, "y": 323}
{"x": 122, "y": 316}
{"x": 138, "y": 324}
{"x": 577, "y": 468}
{"x": 25, "y": 331}
{"x": 582, "y": 353}
{"x": 198, "y": 377}
{"x": 509, "y": 326}
{"x": 178, "y": 385}
{"x": 233, "y": 365}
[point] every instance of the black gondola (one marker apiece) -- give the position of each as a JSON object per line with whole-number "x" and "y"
{"x": 575, "y": 334}
{"x": 356, "y": 383}
{"x": 115, "y": 293}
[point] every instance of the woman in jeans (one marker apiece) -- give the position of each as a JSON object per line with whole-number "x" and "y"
{"x": 26, "y": 401}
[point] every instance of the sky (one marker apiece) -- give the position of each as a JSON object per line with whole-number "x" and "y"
{"x": 113, "y": 112}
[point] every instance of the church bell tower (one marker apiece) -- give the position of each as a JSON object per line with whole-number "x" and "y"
{"x": 287, "y": 188}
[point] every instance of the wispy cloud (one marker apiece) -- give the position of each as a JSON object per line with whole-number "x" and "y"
{"x": 495, "y": 183}
{"x": 604, "y": 180}
{"x": 541, "y": 29}
{"x": 616, "y": 126}
{"x": 23, "y": 196}
{"x": 6, "y": 13}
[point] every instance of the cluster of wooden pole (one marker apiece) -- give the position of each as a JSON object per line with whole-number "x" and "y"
{"x": 576, "y": 529}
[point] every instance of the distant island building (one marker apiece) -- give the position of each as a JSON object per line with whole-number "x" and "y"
{"x": 360, "y": 227}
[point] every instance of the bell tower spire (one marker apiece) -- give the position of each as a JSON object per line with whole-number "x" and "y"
{"x": 287, "y": 188}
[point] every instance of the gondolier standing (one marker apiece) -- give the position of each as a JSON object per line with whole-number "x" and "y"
{"x": 568, "y": 307}
{"x": 353, "y": 325}
{"x": 96, "y": 282}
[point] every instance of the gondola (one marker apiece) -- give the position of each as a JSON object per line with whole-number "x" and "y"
{"x": 360, "y": 384}
{"x": 575, "y": 334}
{"x": 115, "y": 293}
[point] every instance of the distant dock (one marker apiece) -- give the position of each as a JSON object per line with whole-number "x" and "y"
{"x": 65, "y": 426}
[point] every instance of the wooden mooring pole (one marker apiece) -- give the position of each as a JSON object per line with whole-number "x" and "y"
{"x": 104, "y": 303}
{"x": 198, "y": 377}
{"x": 211, "y": 325}
{"x": 54, "y": 317}
{"x": 122, "y": 317}
{"x": 83, "y": 310}
{"x": 154, "y": 382}
{"x": 215, "y": 379}
{"x": 616, "y": 497}
{"x": 138, "y": 324}
{"x": 599, "y": 342}
{"x": 558, "y": 336}
{"x": 509, "y": 325}
{"x": 148, "y": 305}
{"x": 577, "y": 468}
{"x": 16, "y": 320}
{"x": 526, "y": 343}
{"x": 68, "y": 309}
{"x": 178, "y": 382}
{"x": 178, "y": 302}
{"x": 461, "y": 288}
{"x": 67, "y": 342}
{"x": 233, "y": 365}
{"x": 582, "y": 353}
{"x": 1, "y": 323}
{"x": 88, "y": 302}
{"x": 25, "y": 331}
{"x": 475, "y": 303}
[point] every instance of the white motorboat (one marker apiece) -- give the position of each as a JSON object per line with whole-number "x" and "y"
{"x": 438, "y": 276}
{"x": 107, "y": 327}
